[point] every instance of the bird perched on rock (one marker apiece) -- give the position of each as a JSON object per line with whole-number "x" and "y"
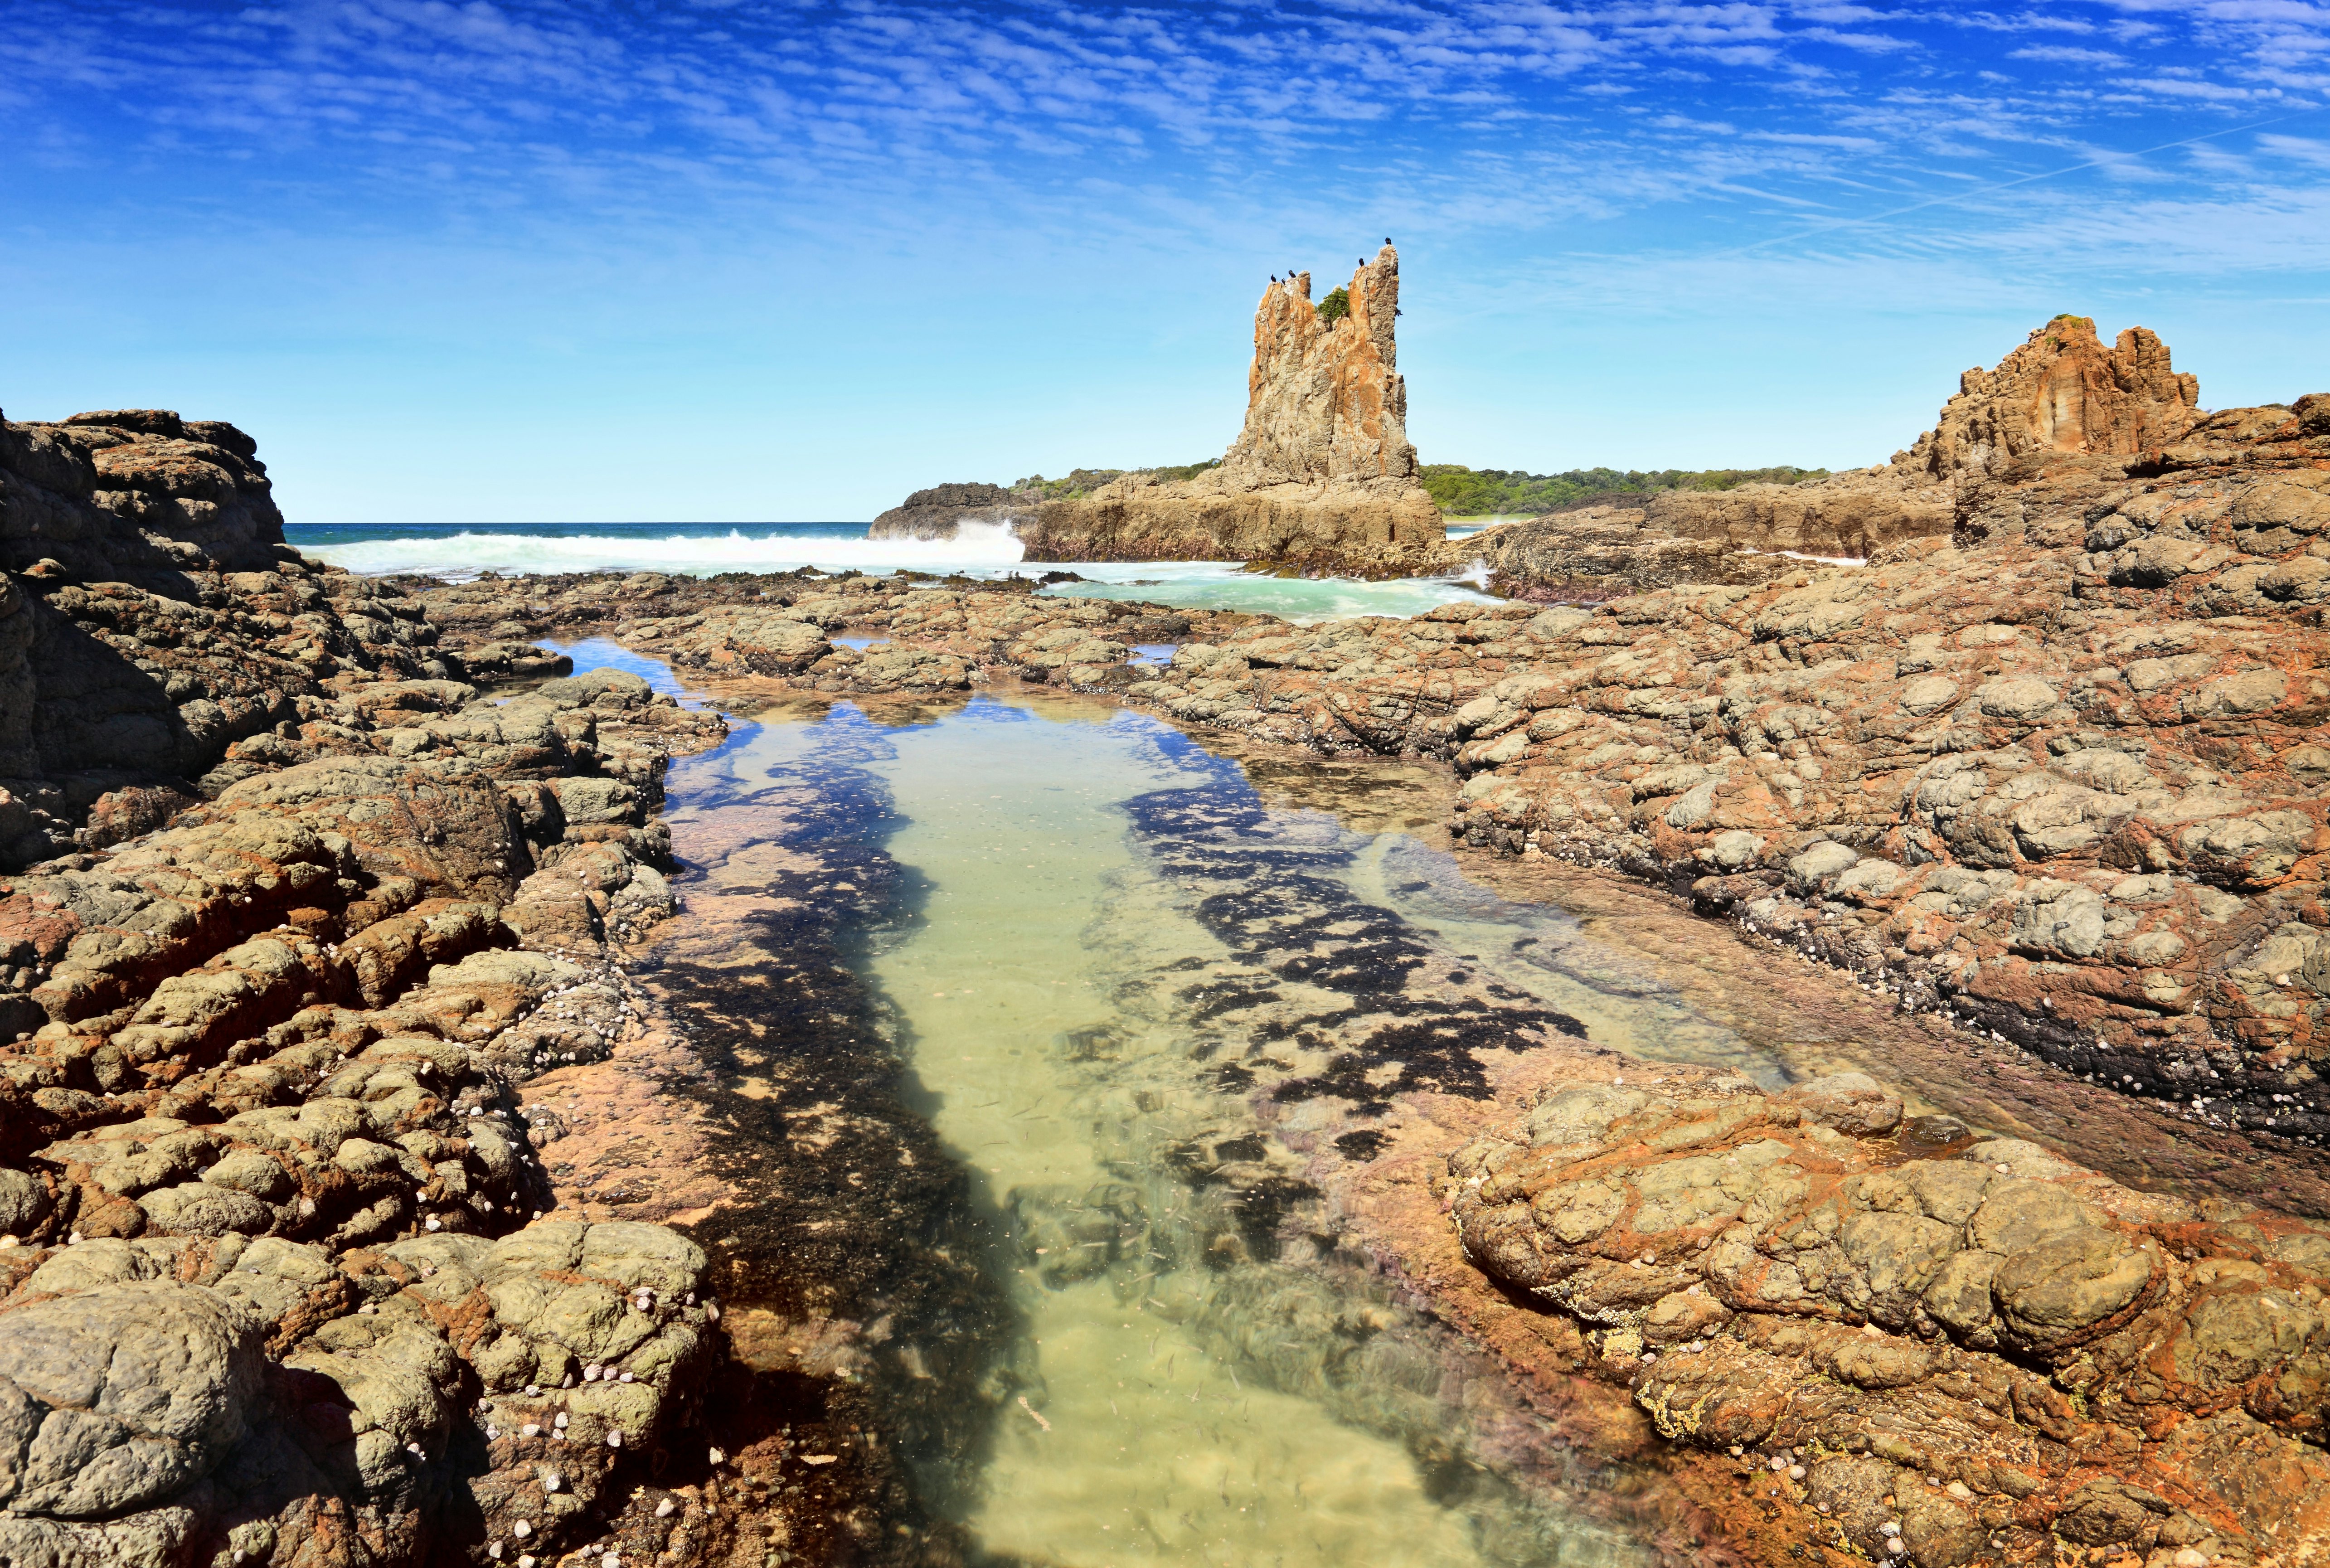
{"x": 1386, "y": 239}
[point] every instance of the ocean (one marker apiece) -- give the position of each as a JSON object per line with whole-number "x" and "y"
{"x": 458, "y": 552}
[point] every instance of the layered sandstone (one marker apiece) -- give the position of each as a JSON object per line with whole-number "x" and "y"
{"x": 2059, "y": 391}
{"x": 1321, "y": 474}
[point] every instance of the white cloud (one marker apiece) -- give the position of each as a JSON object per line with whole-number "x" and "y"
{"x": 2067, "y": 55}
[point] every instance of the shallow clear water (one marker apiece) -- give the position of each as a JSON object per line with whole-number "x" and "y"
{"x": 459, "y": 552}
{"x": 1152, "y": 1017}
{"x": 1145, "y": 1447}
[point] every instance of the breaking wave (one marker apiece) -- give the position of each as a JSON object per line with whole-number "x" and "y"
{"x": 460, "y": 552}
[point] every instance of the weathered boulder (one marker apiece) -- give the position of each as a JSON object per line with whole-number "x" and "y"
{"x": 118, "y": 1398}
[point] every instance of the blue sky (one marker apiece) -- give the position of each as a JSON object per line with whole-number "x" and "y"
{"x": 743, "y": 260}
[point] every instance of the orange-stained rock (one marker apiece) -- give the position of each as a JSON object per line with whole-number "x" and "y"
{"x": 2060, "y": 391}
{"x": 1325, "y": 402}
{"x": 1321, "y": 473}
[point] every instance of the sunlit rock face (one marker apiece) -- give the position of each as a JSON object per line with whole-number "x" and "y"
{"x": 1325, "y": 400}
{"x": 2061, "y": 390}
{"x": 1321, "y": 474}
{"x": 2059, "y": 396}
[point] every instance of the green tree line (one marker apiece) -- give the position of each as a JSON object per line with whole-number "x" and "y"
{"x": 1461, "y": 492}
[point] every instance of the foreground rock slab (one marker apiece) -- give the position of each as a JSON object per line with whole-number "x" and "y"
{"x": 1948, "y": 1358}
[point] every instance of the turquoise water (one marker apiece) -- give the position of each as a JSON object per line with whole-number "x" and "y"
{"x": 458, "y": 552}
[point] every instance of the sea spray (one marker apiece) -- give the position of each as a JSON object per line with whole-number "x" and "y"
{"x": 458, "y": 553}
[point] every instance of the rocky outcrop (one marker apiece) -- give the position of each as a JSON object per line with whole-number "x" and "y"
{"x": 294, "y": 915}
{"x": 2060, "y": 391}
{"x": 136, "y": 495}
{"x": 151, "y": 617}
{"x": 1321, "y": 475}
{"x": 276, "y": 1267}
{"x": 2057, "y": 778}
{"x": 941, "y": 511}
{"x": 1937, "y": 1356}
{"x": 940, "y": 638}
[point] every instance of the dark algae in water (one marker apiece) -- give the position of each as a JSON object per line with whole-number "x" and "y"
{"x": 1021, "y": 1005}
{"x": 856, "y": 1268}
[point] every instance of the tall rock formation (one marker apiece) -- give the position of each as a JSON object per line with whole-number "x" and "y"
{"x": 1321, "y": 475}
{"x": 1325, "y": 402}
{"x": 2061, "y": 393}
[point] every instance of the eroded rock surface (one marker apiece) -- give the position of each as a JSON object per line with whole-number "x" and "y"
{"x": 152, "y": 617}
{"x": 1989, "y": 1353}
{"x": 2061, "y": 392}
{"x": 274, "y": 1103}
{"x": 280, "y": 1277}
{"x": 1321, "y": 473}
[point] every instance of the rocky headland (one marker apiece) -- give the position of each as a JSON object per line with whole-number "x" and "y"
{"x": 1321, "y": 475}
{"x": 2061, "y": 390}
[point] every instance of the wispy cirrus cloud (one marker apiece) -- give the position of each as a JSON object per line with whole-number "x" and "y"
{"x": 537, "y": 103}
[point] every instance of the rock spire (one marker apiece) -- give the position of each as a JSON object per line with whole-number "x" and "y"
{"x": 1325, "y": 400}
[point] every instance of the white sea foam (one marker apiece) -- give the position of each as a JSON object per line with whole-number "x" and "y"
{"x": 1220, "y": 585}
{"x": 982, "y": 549}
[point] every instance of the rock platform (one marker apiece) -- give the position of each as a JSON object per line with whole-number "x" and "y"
{"x": 313, "y": 942}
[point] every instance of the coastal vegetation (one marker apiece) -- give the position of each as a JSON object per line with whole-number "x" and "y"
{"x": 1084, "y": 481}
{"x": 1335, "y": 306}
{"x": 1461, "y": 492}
